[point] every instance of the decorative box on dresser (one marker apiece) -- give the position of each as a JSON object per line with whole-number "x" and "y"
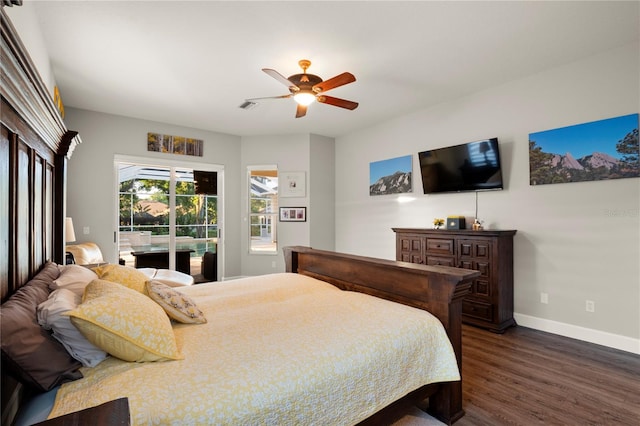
{"x": 490, "y": 304}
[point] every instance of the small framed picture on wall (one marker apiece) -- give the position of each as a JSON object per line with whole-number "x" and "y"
{"x": 293, "y": 214}
{"x": 292, "y": 184}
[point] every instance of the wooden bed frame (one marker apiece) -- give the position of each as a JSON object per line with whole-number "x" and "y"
{"x": 436, "y": 289}
{"x": 34, "y": 148}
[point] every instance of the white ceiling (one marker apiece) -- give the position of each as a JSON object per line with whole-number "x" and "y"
{"x": 192, "y": 63}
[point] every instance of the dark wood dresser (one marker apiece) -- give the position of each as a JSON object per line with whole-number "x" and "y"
{"x": 490, "y": 304}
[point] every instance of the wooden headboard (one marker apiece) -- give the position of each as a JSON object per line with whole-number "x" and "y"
{"x": 34, "y": 148}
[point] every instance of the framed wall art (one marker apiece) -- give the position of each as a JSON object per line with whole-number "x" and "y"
{"x": 57, "y": 100}
{"x": 598, "y": 150}
{"x": 292, "y": 184}
{"x": 392, "y": 176}
{"x": 293, "y": 214}
{"x": 169, "y": 144}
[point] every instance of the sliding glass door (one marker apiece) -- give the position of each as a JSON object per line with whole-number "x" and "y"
{"x": 168, "y": 217}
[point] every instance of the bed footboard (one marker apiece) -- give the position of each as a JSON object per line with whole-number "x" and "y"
{"x": 437, "y": 289}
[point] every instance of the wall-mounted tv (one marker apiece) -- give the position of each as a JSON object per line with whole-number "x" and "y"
{"x": 473, "y": 166}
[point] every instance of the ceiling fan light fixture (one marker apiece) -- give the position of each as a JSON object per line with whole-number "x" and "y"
{"x": 306, "y": 88}
{"x": 304, "y": 97}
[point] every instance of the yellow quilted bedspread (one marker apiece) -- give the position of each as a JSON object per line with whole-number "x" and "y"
{"x": 281, "y": 349}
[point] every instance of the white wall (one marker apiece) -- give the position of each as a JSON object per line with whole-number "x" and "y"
{"x": 575, "y": 241}
{"x": 91, "y": 180}
{"x": 322, "y": 210}
{"x": 290, "y": 153}
{"x": 25, "y": 20}
{"x": 91, "y": 177}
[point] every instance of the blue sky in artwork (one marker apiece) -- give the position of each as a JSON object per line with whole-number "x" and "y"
{"x": 585, "y": 139}
{"x": 378, "y": 169}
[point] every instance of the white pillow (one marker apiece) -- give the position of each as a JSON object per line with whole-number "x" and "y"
{"x": 168, "y": 277}
{"x": 74, "y": 278}
{"x": 149, "y": 272}
{"x": 173, "y": 278}
{"x": 50, "y": 317}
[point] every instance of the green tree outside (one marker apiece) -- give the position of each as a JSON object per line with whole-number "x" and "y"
{"x": 196, "y": 215}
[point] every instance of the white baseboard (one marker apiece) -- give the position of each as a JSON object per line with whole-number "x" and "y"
{"x": 610, "y": 340}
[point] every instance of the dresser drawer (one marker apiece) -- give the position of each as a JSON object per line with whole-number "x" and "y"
{"x": 411, "y": 258}
{"x": 440, "y": 246}
{"x": 477, "y": 309}
{"x": 440, "y": 261}
{"x": 478, "y": 249}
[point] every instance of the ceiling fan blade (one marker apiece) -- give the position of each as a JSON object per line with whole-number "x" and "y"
{"x": 301, "y": 111}
{"x": 282, "y": 79}
{"x": 332, "y": 83}
{"x": 342, "y": 103}
{"x": 270, "y": 97}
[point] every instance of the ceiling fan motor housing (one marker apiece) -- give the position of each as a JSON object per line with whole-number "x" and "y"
{"x": 304, "y": 82}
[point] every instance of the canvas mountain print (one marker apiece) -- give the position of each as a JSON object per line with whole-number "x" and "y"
{"x": 599, "y": 150}
{"x": 391, "y": 176}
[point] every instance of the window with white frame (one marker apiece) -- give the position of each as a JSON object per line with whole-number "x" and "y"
{"x": 263, "y": 209}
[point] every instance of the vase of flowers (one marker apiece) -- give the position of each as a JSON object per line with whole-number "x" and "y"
{"x": 437, "y": 223}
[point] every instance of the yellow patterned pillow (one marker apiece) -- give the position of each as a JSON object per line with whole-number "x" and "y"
{"x": 125, "y": 275}
{"x": 96, "y": 288}
{"x": 125, "y": 323}
{"x": 178, "y": 306}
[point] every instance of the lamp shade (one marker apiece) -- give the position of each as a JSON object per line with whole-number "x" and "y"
{"x": 304, "y": 97}
{"x": 69, "y": 233}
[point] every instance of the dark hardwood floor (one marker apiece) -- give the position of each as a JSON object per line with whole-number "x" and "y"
{"x": 529, "y": 377}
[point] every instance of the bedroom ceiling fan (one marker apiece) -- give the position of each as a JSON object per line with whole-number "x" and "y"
{"x": 307, "y": 88}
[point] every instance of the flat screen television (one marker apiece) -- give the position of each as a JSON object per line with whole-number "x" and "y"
{"x": 473, "y": 166}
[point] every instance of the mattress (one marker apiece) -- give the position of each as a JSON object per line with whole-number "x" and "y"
{"x": 277, "y": 349}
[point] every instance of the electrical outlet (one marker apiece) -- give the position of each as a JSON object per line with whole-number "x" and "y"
{"x": 85, "y": 230}
{"x": 273, "y": 264}
{"x": 590, "y": 306}
{"x": 544, "y": 298}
